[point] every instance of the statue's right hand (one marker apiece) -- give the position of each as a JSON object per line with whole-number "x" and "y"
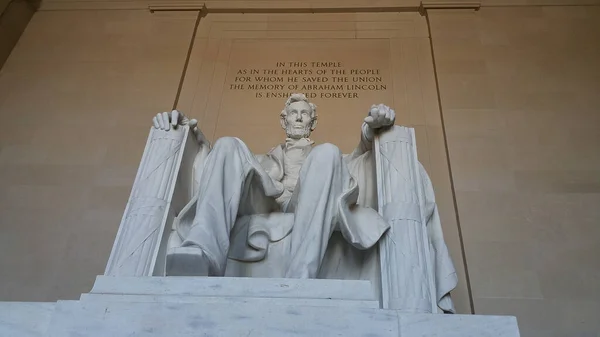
{"x": 169, "y": 120}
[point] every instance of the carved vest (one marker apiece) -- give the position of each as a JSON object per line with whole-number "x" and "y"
{"x": 294, "y": 155}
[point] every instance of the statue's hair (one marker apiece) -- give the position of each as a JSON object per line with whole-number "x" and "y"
{"x": 299, "y": 98}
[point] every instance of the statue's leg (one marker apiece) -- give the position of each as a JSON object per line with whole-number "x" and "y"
{"x": 229, "y": 177}
{"x": 323, "y": 177}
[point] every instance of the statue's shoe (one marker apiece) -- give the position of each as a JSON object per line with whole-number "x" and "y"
{"x": 187, "y": 261}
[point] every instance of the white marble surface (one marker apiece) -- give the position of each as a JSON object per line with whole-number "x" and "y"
{"x": 95, "y": 319}
{"x": 424, "y": 325}
{"x": 258, "y": 301}
{"x": 235, "y": 286}
{"x": 120, "y": 319}
{"x": 25, "y": 319}
{"x": 185, "y": 307}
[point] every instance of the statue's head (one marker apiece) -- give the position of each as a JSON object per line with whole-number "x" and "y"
{"x": 298, "y": 117}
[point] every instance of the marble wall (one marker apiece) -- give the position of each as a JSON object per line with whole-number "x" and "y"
{"x": 76, "y": 95}
{"x": 519, "y": 92}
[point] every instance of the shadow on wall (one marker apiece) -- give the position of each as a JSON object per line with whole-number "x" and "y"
{"x": 14, "y": 17}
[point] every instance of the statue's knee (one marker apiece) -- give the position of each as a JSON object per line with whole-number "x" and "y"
{"x": 228, "y": 147}
{"x": 226, "y": 142}
{"x": 327, "y": 152}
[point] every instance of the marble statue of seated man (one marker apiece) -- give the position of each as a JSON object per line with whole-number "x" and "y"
{"x": 303, "y": 191}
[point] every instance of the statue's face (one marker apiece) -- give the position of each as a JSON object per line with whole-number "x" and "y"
{"x": 298, "y": 121}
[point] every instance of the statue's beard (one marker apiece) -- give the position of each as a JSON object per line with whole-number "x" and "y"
{"x": 297, "y": 133}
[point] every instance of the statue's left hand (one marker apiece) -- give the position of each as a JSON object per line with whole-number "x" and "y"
{"x": 380, "y": 116}
{"x": 169, "y": 120}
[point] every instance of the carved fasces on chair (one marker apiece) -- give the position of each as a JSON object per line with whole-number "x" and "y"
{"x": 140, "y": 231}
{"x": 136, "y": 248}
{"x": 407, "y": 277}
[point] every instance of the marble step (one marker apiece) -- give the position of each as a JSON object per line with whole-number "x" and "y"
{"x": 236, "y": 287}
{"x": 232, "y": 318}
{"x": 25, "y": 319}
{"x": 319, "y": 302}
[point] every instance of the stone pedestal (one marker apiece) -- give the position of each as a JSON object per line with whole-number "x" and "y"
{"x": 200, "y": 306}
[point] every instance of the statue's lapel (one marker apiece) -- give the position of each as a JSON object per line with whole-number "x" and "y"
{"x": 276, "y": 154}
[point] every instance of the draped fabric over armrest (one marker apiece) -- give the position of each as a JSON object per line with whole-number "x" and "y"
{"x": 417, "y": 272}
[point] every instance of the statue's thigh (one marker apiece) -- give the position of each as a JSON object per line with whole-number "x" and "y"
{"x": 274, "y": 265}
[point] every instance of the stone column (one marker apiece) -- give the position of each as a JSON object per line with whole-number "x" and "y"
{"x": 406, "y": 269}
{"x": 138, "y": 240}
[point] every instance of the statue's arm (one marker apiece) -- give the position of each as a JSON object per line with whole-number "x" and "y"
{"x": 365, "y": 144}
{"x": 167, "y": 121}
{"x": 380, "y": 117}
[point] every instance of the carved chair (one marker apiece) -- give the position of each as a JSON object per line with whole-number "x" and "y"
{"x": 163, "y": 196}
